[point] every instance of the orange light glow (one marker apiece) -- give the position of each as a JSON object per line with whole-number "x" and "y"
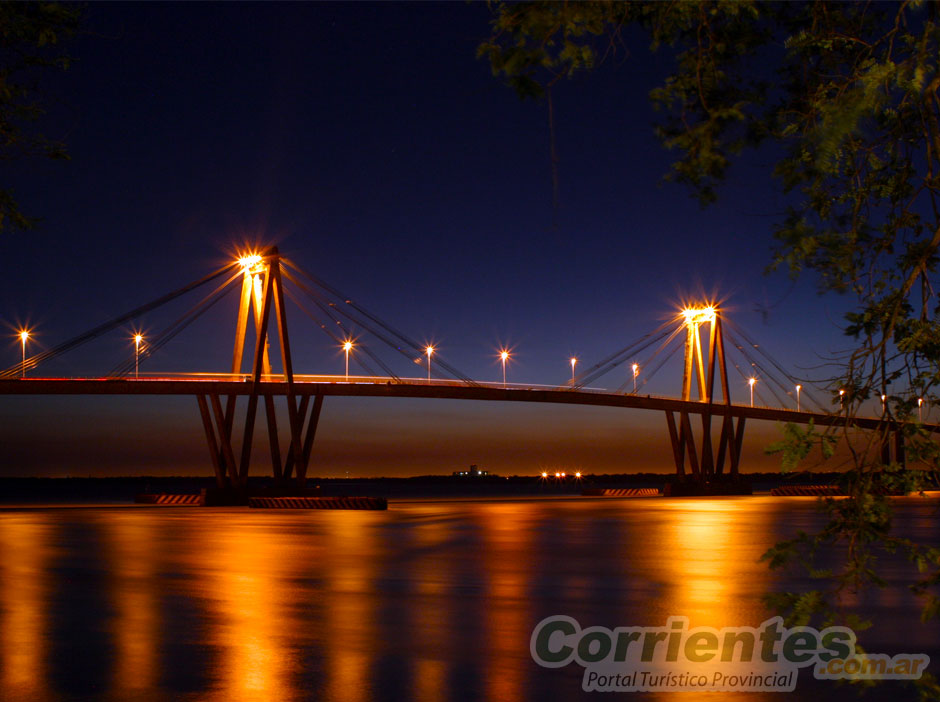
{"x": 347, "y": 346}
{"x": 138, "y": 338}
{"x": 429, "y": 350}
{"x": 503, "y": 355}
{"x": 24, "y": 335}
{"x": 698, "y": 315}
{"x": 578, "y": 475}
{"x": 544, "y": 474}
{"x": 751, "y": 381}
{"x": 251, "y": 263}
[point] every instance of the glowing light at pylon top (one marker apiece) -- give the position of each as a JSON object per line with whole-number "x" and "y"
{"x": 251, "y": 263}
{"x": 699, "y": 315}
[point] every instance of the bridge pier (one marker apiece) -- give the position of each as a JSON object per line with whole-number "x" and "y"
{"x": 262, "y": 290}
{"x": 707, "y": 476}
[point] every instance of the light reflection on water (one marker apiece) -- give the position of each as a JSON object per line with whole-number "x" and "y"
{"x": 428, "y": 601}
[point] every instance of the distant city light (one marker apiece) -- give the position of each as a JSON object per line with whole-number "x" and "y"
{"x": 750, "y": 382}
{"x": 429, "y": 350}
{"x": 636, "y": 372}
{"x": 573, "y": 362}
{"x": 798, "y": 388}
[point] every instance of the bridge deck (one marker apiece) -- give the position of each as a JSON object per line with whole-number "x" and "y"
{"x": 437, "y": 389}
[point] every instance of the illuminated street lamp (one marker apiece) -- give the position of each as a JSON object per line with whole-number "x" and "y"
{"x": 429, "y": 350}
{"x": 347, "y": 347}
{"x": 504, "y": 356}
{"x": 573, "y": 362}
{"x": 750, "y": 382}
{"x": 841, "y": 399}
{"x": 798, "y": 388}
{"x": 636, "y": 372}
{"x": 24, "y": 335}
{"x": 137, "y": 339}
{"x": 920, "y": 410}
{"x": 883, "y": 408}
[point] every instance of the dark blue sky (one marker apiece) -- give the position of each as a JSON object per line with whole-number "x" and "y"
{"x": 370, "y": 144}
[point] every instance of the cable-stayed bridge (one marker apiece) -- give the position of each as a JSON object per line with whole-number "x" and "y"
{"x": 706, "y": 451}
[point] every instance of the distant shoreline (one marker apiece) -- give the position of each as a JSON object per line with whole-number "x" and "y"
{"x": 123, "y": 489}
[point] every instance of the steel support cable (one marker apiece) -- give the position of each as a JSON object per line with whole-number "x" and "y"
{"x": 339, "y": 341}
{"x": 599, "y": 368}
{"x": 177, "y": 326}
{"x": 321, "y": 300}
{"x": 767, "y": 373}
{"x": 649, "y": 376}
{"x": 387, "y": 327}
{"x": 649, "y": 361}
{"x": 161, "y": 339}
{"x": 743, "y": 377}
{"x": 77, "y": 341}
{"x": 760, "y": 349}
{"x": 606, "y": 365}
{"x": 328, "y": 308}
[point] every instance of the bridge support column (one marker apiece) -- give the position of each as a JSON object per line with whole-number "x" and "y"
{"x": 707, "y": 470}
{"x": 262, "y": 294}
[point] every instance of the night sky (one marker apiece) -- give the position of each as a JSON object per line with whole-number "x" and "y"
{"x": 376, "y": 151}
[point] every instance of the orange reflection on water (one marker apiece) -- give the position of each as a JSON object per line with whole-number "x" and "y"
{"x": 243, "y": 567}
{"x": 435, "y": 579}
{"x": 507, "y": 532}
{"x": 708, "y": 544}
{"x": 131, "y": 540}
{"x": 350, "y": 553}
{"x": 23, "y": 621}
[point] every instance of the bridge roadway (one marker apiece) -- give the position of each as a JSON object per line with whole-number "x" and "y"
{"x": 364, "y": 386}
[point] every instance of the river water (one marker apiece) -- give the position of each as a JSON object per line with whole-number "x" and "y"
{"x": 431, "y": 600}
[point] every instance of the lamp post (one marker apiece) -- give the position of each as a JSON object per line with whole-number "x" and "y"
{"x": 636, "y": 372}
{"x": 920, "y": 410}
{"x": 750, "y": 382}
{"x": 841, "y": 400}
{"x": 883, "y": 407}
{"x": 429, "y": 350}
{"x": 798, "y": 388}
{"x": 504, "y": 356}
{"x": 573, "y": 362}
{"x": 24, "y": 335}
{"x": 137, "y": 339}
{"x": 347, "y": 347}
